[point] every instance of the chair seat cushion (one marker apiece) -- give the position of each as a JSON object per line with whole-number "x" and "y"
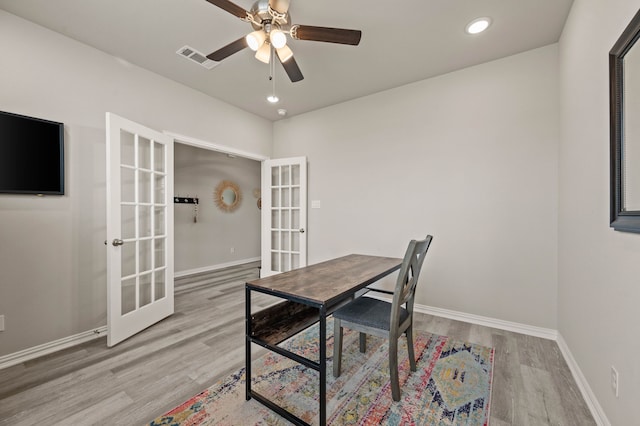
{"x": 369, "y": 312}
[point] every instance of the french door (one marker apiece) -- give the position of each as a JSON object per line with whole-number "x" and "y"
{"x": 139, "y": 227}
{"x": 284, "y": 215}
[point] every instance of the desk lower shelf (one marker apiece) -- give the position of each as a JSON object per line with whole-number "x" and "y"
{"x": 275, "y": 324}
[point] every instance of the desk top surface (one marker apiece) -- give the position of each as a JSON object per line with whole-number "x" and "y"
{"x": 327, "y": 282}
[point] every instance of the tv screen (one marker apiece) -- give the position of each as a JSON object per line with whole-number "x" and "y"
{"x": 31, "y": 155}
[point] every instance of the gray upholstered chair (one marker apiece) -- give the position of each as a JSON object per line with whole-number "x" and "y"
{"x": 384, "y": 319}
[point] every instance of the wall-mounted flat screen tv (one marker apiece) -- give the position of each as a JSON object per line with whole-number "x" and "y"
{"x": 31, "y": 155}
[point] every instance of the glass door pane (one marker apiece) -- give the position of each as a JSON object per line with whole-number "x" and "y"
{"x": 142, "y": 187}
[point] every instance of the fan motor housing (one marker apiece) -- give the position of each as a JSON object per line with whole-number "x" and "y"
{"x": 260, "y": 13}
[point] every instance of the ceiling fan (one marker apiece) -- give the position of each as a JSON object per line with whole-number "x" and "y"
{"x": 271, "y": 23}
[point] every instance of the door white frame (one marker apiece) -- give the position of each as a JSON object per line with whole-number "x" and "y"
{"x": 211, "y": 146}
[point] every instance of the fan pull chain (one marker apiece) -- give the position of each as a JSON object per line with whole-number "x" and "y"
{"x": 272, "y": 74}
{"x": 272, "y": 70}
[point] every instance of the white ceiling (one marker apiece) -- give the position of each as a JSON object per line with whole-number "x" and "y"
{"x": 402, "y": 41}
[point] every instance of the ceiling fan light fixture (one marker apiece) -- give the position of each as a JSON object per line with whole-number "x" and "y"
{"x": 264, "y": 53}
{"x": 273, "y": 98}
{"x": 277, "y": 38}
{"x": 284, "y": 53}
{"x": 271, "y": 26}
{"x": 256, "y": 39}
{"x": 478, "y": 25}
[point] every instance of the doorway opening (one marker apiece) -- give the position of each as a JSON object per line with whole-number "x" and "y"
{"x": 214, "y": 243}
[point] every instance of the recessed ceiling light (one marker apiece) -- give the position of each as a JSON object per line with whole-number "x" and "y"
{"x": 273, "y": 99}
{"x": 478, "y": 25}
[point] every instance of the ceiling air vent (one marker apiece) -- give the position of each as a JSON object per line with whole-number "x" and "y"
{"x": 197, "y": 57}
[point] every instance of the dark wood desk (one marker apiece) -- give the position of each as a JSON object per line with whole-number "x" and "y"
{"x": 309, "y": 294}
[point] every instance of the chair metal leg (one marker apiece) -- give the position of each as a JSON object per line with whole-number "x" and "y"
{"x": 412, "y": 355}
{"x": 363, "y": 342}
{"x": 337, "y": 347}
{"x": 393, "y": 368}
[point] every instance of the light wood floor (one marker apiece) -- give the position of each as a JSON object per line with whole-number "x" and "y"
{"x": 168, "y": 363}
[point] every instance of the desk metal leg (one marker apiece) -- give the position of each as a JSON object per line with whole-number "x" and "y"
{"x": 248, "y": 342}
{"x": 323, "y": 365}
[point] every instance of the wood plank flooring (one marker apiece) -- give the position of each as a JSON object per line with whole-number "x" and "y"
{"x": 168, "y": 363}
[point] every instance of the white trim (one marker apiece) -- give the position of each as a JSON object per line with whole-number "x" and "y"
{"x": 589, "y": 397}
{"x": 211, "y": 268}
{"x": 516, "y": 327}
{"x": 188, "y": 140}
{"x": 47, "y": 348}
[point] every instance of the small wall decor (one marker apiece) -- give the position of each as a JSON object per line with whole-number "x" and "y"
{"x": 256, "y": 194}
{"x": 227, "y": 196}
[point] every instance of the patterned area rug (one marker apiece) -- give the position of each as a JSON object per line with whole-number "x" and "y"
{"x": 451, "y": 387}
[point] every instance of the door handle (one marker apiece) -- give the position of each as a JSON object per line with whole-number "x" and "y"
{"x": 301, "y": 230}
{"x": 117, "y": 242}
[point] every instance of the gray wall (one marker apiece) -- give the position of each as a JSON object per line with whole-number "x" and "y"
{"x": 52, "y": 257}
{"x": 208, "y": 242}
{"x": 469, "y": 157}
{"x": 599, "y": 269}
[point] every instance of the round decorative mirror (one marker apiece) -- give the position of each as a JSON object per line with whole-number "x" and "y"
{"x": 227, "y": 196}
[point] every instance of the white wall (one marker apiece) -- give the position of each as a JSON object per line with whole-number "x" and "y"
{"x": 208, "y": 242}
{"x": 599, "y": 269}
{"x": 52, "y": 257}
{"x": 469, "y": 157}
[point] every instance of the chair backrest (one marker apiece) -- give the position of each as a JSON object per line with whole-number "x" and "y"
{"x": 408, "y": 277}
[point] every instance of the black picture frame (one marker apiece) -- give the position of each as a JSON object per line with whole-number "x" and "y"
{"x": 620, "y": 219}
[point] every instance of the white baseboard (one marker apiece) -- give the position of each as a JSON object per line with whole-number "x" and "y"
{"x": 545, "y": 333}
{"x": 211, "y": 268}
{"x": 50, "y": 347}
{"x": 516, "y": 327}
{"x": 592, "y": 402}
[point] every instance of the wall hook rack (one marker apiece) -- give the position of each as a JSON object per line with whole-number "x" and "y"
{"x": 185, "y": 200}
{"x": 189, "y": 200}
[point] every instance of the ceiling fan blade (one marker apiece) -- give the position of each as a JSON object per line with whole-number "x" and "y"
{"x": 325, "y": 34}
{"x": 280, "y": 6}
{"x": 228, "y": 50}
{"x": 292, "y": 69}
{"x": 230, "y": 7}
